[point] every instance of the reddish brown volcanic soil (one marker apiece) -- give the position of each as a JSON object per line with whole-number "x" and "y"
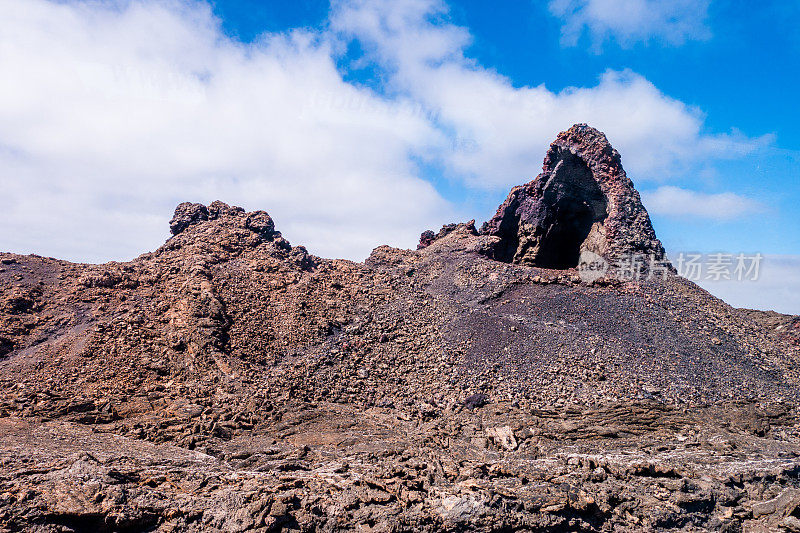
{"x": 231, "y": 382}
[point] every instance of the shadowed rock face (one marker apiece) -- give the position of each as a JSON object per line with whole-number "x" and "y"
{"x": 6, "y": 346}
{"x": 582, "y": 201}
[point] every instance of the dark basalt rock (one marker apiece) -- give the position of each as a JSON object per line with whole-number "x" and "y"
{"x": 20, "y": 301}
{"x": 428, "y": 237}
{"x": 582, "y": 201}
{"x": 185, "y": 215}
{"x": 188, "y": 214}
{"x": 261, "y": 223}
{"x": 476, "y": 400}
{"x": 425, "y": 240}
{"x": 219, "y": 209}
{"x": 6, "y": 347}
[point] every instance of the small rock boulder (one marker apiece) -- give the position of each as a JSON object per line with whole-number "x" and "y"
{"x": 261, "y": 223}
{"x": 476, "y": 400}
{"x": 185, "y": 215}
{"x": 503, "y": 437}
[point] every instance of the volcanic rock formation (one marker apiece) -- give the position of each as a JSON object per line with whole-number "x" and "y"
{"x": 582, "y": 201}
{"x": 230, "y": 381}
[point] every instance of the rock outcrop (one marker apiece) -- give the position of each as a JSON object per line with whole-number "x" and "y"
{"x": 188, "y": 214}
{"x": 582, "y": 201}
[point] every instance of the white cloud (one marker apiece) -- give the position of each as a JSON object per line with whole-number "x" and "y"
{"x": 109, "y": 116}
{"x": 112, "y": 113}
{"x": 631, "y": 21}
{"x": 676, "y": 202}
{"x": 499, "y": 132}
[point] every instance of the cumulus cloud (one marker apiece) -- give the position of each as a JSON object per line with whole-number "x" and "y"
{"x": 112, "y": 113}
{"x": 498, "y": 132}
{"x": 677, "y": 202}
{"x": 630, "y": 21}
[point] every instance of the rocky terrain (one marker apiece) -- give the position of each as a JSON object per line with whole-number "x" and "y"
{"x": 230, "y": 381}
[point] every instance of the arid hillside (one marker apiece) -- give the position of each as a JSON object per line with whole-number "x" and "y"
{"x": 229, "y": 381}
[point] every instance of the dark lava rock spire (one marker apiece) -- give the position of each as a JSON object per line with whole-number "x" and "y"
{"x": 581, "y": 202}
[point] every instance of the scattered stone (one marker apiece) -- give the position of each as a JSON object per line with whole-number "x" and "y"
{"x": 229, "y": 381}
{"x": 503, "y": 437}
{"x": 476, "y": 400}
{"x": 187, "y": 214}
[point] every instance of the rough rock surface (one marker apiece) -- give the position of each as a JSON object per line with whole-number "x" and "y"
{"x": 229, "y": 381}
{"x": 582, "y": 201}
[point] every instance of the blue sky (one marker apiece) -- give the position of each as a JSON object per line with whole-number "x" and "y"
{"x": 357, "y": 123}
{"x": 741, "y": 73}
